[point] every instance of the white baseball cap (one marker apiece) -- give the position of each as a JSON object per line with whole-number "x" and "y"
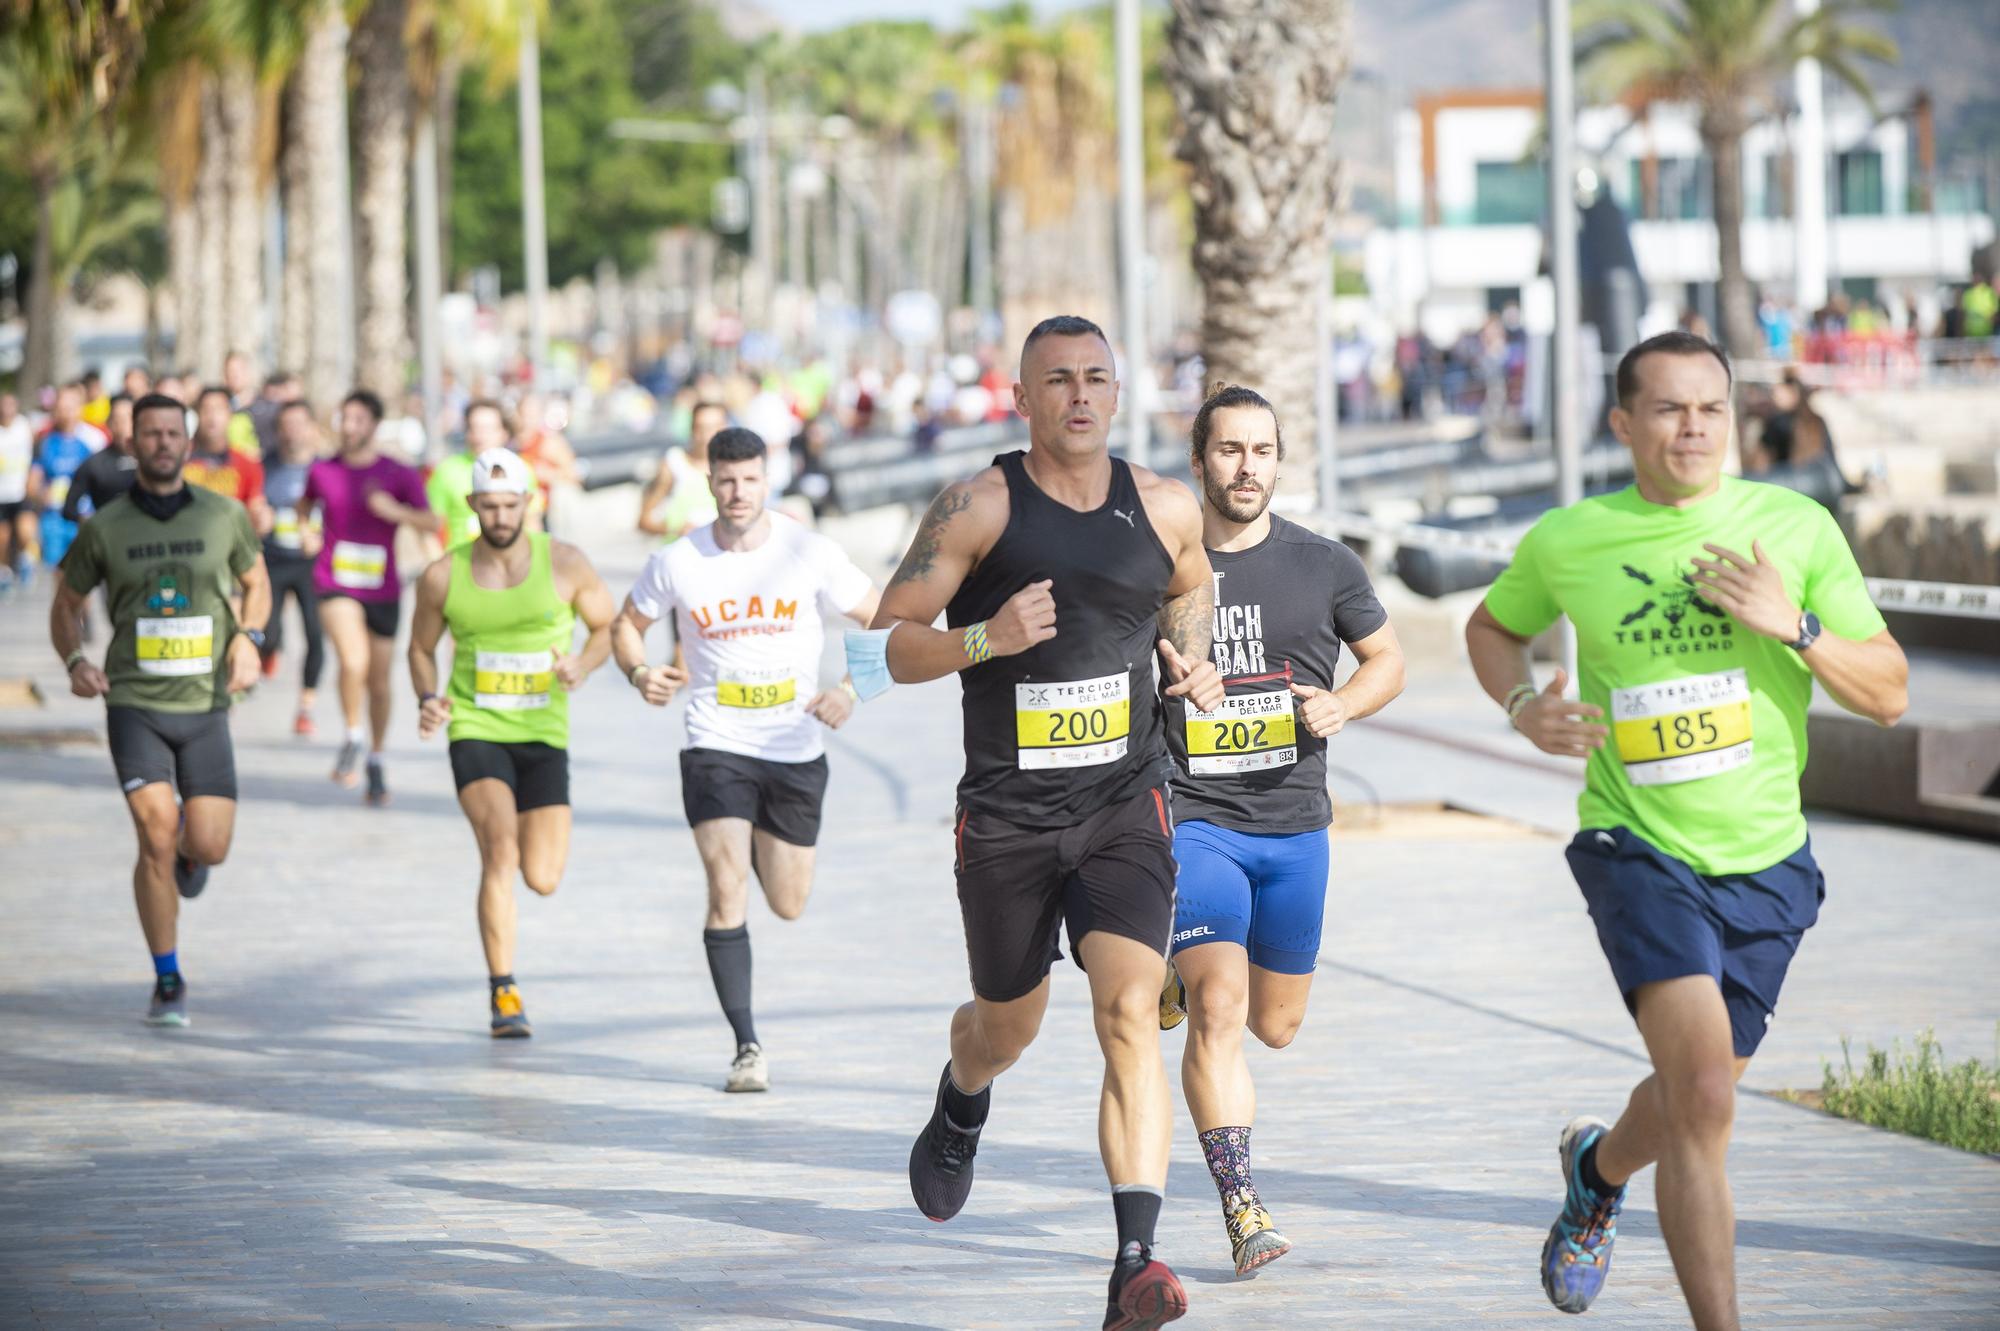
{"x": 500, "y": 471}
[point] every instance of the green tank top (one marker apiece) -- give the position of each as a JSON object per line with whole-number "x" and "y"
{"x": 503, "y": 686}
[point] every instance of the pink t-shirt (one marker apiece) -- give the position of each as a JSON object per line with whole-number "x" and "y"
{"x": 358, "y": 558}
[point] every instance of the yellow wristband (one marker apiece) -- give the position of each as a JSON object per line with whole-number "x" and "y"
{"x": 977, "y": 649}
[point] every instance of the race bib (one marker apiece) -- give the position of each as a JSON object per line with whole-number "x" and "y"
{"x": 1248, "y": 732}
{"x": 57, "y": 492}
{"x": 1083, "y": 723}
{"x": 1682, "y": 729}
{"x": 756, "y": 689}
{"x": 513, "y": 681}
{"x": 180, "y": 646}
{"x": 363, "y": 567}
{"x": 285, "y": 530}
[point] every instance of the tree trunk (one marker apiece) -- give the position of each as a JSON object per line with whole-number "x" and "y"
{"x": 184, "y": 276}
{"x": 1263, "y": 188}
{"x": 1722, "y": 135}
{"x": 382, "y": 159}
{"x": 319, "y": 106}
{"x": 204, "y": 358}
{"x": 295, "y": 189}
{"x": 451, "y": 69}
{"x": 38, "y": 363}
{"x": 243, "y": 250}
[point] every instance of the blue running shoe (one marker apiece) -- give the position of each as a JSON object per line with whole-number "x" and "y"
{"x": 1577, "y": 1256}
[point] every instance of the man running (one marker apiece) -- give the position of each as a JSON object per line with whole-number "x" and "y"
{"x": 63, "y": 450}
{"x": 17, "y": 518}
{"x": 450, "y": 483}
{"x": 749, "y": 594}
{"x": 1704, "y": 609}
{"x": 1058, "y": 570}
{"x": 110, "y": 471}
{"x": 1250, "y": 803}
{"x": 680, "y": 486}
{"x": 216, "y": 464}
{"x": 290, "y": 550}
{"x": 173, "y": 557}
{"x": 361, "y": 497}
{"x": 511, "y": 605}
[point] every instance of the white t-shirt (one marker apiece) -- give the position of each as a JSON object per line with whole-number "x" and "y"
{"x": 752, "y": 623}
{"x": 17, "y": 453}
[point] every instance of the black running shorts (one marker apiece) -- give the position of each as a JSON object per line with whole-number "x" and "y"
{"x": 780, "y": 798}
{"x": 537, "y": 773}
{"x": 382, "y": 617}
{"x": 1018, "y": 885}
{"x": 189, "y": 750}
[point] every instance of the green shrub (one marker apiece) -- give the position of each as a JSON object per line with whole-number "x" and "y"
{"x": 1919, "y": 1093}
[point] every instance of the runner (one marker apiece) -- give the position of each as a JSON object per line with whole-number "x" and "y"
{"x": 1698, "y": 602}
{"x": 63, "y": 450}
{"x": 290, "y": 550}
{"x": 681, "y": 483}
{"x": 450, "y": 481}
{"x": 510, "y": 605}
{"x": 217, "y": 464}
{"x": 172, "y": 557}
{"x": 17, "y": 518}
{"x": 546, "y": 451}
{"x": 107, "y": 473}
{"x": 1057, "y": 570}
{"x": 749, "y": 594}
{"x": 361, "y": 498}
{"x": 1250, "y": 803}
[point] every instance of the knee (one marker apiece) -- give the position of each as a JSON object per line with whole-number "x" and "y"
{"x": 1004, "y": 1041}
{"x": 503, "y": 860}
{"x": 1217, "y": 1007}
{"x": 789, "y": 908}
{"x": 540, "y": 880}
{"x": 1276, "y": 1030}
{"x": 206, "y": 848}
{"x": 1129, "y": 1014}
{"x": 1702, "y": 1104}
{"x": 158, "y": 842}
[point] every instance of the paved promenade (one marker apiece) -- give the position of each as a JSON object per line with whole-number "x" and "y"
{"x": 337, "y": 1142}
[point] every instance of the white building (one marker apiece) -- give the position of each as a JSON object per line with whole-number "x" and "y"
{"x": 1470, "y": 199}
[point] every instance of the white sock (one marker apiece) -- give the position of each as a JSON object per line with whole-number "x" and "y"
{"x": 355, "y": 734}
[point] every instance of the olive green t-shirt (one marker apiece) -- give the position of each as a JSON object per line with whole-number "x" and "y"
{"x": 1708, "y": 719}
{"x": 169, "y": 585}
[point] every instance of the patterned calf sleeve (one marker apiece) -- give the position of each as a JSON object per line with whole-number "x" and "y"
{"x": 1227, "y": 1151}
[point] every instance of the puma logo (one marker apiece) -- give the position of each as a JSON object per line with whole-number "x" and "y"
{"x": 1119, "y": 512}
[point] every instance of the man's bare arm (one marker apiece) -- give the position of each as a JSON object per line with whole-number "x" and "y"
{"x": 941, "y": 555}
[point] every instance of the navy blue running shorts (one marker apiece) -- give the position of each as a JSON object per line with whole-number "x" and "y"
{"x": 1657, "y": 919}
{"x": 1266, "y": 893}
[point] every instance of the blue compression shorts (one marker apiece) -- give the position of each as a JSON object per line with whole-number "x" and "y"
{"x": 1266, "y": 894}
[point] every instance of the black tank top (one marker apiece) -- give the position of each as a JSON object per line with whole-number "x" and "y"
{"x": 1072, "y": 725}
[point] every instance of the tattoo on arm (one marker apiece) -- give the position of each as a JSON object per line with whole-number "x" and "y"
{"x": 922, "y": 557}
{"x": 1186, "y": 621}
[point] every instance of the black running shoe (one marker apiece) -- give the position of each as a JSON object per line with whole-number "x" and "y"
{"x": 1144, "y": 1294}
{"x": 941, "y": 1160}
{"x": 189, "y": 877}
{"x": 345, "y": 762}
{"x": 378, "y": 786}
{"x": 170, "y": 1002}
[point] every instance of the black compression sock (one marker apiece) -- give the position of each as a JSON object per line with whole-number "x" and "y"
{"x": 500, "y": 981}
{"x": 1586, "y": 1169}
{"x": 1137, "y": 1209}
{"x": 729, "y": 966}
{"x": 966, "y": 1111}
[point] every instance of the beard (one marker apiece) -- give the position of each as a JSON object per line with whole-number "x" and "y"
{"x": 510, "y": 535}
{"x": 1235, "y": 507}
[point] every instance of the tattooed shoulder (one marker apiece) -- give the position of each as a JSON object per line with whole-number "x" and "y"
{"x": 923, "y": 553}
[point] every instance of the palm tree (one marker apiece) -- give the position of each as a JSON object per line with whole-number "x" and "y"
{"x": 1260, "y": 147}
{"x": 380, "y": 53}
{"x": 1729, "y": 58}
{"x": 313, "y": 178}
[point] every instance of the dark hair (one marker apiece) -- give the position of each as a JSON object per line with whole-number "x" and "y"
{"x": 280, "y": 379}
{"x": 1062, "y": 325}
{"x": 488, "y": 404}
{"x": 296, "y": 404}
{"x": 92, "y": 373}
{"x": 157, "y": 402}
{"x": 367, "y": 401}
{"x": 210, "y": 391}
{"x": 706, "y": 404}
{"x": 735, "y": 444}
{"x": 1223, "y": 396}
{"x": 1674, "y": 343}
{"x": 120, "y": 396}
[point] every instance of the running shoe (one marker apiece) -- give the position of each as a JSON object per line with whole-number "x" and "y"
{"x": 1144, "y": 1293}
{"x": 270, "y": 666}
{"x": 941, "y": 1160}
{"x": 1254, "y": 1239}
{"x": 1173, "y": 998}
{"x": 303, "y": 727}
{"x": 510, "y": 1018}
{"x": 170, "y": 1002}
{"x": 344, "y": 765}
{"x": 378, "y": 786}
{"x": 748, "y": 1071}
{"x": 1577, "y": 1257}
{"x": 189, "y": 877}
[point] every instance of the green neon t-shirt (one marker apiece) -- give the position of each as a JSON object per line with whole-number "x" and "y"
{"x": 1708, "y": 718}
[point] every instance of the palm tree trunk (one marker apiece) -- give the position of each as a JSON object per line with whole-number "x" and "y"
{"x": 212, "y": 207}
{"x": 295, "y": 185}
{"x": 243, "y": 250}
{"x": 38, "y": 363}
{"x": 1263, "y": 189}
{"x": 451, "y": 69}
{"x": 1722, "y": 135}
{"x": 184, "y": 276}
{"x": 382, "y": 155}
{"x": 318, "y": 105}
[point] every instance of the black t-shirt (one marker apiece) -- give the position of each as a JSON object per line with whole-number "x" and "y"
{"x": 1282, "y": 610}
{"x": 104, "y": 476}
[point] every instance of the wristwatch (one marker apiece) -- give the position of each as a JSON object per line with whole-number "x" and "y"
{"x": 256, "y": 637}
{"x": 1808, "y": 632}
{"x": 633, "y": 677}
